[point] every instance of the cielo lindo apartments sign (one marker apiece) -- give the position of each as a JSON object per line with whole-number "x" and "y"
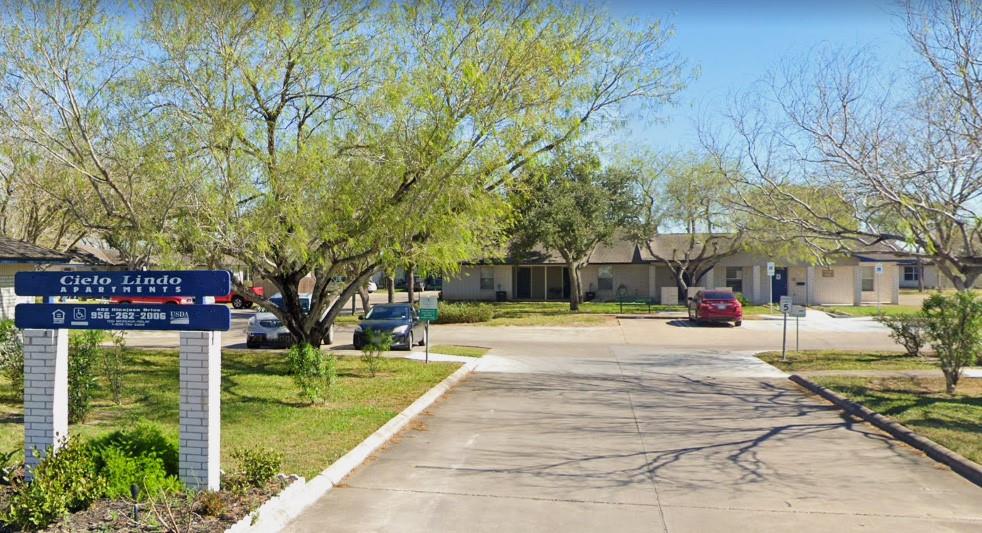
{"x": 46, "y": 352}
{"x": 140, "y": 283}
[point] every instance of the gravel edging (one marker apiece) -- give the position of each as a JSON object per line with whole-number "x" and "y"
{"x": 961, "y": 465}
{"x": 278, "y": 511}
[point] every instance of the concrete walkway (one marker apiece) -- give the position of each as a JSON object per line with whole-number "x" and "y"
{"x": 578, "y": 434}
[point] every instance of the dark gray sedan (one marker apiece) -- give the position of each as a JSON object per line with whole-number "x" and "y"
{"x": 399, "y": 320}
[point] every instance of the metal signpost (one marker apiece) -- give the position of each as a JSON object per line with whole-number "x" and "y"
{"x": 770, "y": 285}
{"x": 45, "y": 329}
{"x": 429, "y": 310}
{"x": 798, "y": 312}
{"x": 785, "y": 309}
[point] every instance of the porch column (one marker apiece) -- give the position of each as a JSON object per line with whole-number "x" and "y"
{"x": 809, "y": 285}
{"x": 755, "y": 284}
{"x": 652, "y": 281}
{"x": 857, "y": 285}
{"x": 895, "y": 285}
{"x": 545, "y": 284}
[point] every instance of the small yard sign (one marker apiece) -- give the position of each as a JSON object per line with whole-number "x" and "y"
{"x": 429, "y": 308}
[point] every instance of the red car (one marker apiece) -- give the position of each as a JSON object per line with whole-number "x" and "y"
{"x": 715, "y": 306}
{"x": 237, "y": 300}
{"x": 157, "y": 300}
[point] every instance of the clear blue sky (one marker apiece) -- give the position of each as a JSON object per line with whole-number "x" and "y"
{"x": 736, "y": 43}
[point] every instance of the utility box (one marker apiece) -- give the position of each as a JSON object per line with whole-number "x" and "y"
{"x": 670, "y": 295}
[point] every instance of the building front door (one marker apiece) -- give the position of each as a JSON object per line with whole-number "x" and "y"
{"x": 779, "y": 284}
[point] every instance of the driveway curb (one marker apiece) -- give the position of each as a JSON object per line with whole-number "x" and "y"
{"x": 279, "y": 510}
{"x": 961, "y": 465}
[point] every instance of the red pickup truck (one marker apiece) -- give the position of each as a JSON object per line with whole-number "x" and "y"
{"x": 233, "y": 298}
{"x": 237, "y": 300}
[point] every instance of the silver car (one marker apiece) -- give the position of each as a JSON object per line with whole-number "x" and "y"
{"x": 265, "y": 328}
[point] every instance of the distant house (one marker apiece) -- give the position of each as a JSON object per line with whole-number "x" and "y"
{"x": 626, "y": 270}
{"x": 18, "y": 256}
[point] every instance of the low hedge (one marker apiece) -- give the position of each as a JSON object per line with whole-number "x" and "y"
{"x": 464, "y": 313}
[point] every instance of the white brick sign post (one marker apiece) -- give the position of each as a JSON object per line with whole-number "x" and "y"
{"x": 45, "y": 392}
{"x": 201, "y": 388}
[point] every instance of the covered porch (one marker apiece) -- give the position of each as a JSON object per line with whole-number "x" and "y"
{"x": 540, "y": 283}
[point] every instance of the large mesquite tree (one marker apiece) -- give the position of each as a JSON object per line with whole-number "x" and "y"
{"x": 340, "y": 138}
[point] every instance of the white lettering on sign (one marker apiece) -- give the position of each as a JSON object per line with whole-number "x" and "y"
{"x": 76, "y": 284}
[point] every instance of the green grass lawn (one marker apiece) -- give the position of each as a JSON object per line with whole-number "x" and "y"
{"x": 464, "y": 351}
{"x": 260, "y": 405}
{"x": 954, "y": 421}
{"x": 868, "y": 310}
{"x": 846, "y": 360}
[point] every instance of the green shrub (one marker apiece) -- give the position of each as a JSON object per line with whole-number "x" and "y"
{"x": 954, "y": 327}
{"x": 12, "y": 356}
{"x": 464, "y": 313}
{"x": 741, "y": 298}
{"x": 254, "y": 467}
{"x": 83, "y": 353}
{"x": 64, "y": 482}
{"x": 309, "y": 371}
{"x": 211, "y": 503}
{"x": 112, "y": 365}
{"x": 121, "y": 471}
{"x": 144, "y": 439}
{"x": 376, "y": 343}
{"x": 907, "y": 330}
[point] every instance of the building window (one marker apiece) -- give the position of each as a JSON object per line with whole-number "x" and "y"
{"x": 605, "y": 278}
{"x": 487, "y": 279}
{"x": 912, "y": 273}
{"x": 734, "y": 278}
{"x": 868, "y": 279}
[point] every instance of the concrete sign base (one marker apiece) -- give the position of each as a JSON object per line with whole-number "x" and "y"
{"x": 201, "y": 388}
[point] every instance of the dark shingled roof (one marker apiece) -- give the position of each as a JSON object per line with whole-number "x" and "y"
{"x": 14, "y": 251}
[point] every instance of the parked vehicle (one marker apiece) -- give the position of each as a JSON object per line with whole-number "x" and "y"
{"x": 155, "y": 300}
{"x": 265, "y": 328}
{"x": 399, "y": 320}
{"x": 715, "y": 306}
{"x": 237, "y": 300}
{"x": 419, "y": 284}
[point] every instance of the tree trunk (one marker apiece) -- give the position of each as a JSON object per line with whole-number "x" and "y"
{"x": 365, "y": 298}
{"x": 411, "y": 285}
{"x": 950, "y": 380}
{"x": 682, "y": 284}
{"x": 575, "y": 286}
{"x": 390, "y": 287}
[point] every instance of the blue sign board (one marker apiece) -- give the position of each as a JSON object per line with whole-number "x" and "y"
{"x": 123, "y": 316}
{"x": 147, "y": 283}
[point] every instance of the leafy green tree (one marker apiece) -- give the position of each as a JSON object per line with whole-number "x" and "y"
{"x": 306, "y": 137}
{"x": 70, "y": 96}
{"x": 571, "y": 205}
{"x": 954, "y": 326}
{"x": 344, "y": 138}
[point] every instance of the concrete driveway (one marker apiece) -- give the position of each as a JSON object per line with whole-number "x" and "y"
{"x": 638, "y": 428}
